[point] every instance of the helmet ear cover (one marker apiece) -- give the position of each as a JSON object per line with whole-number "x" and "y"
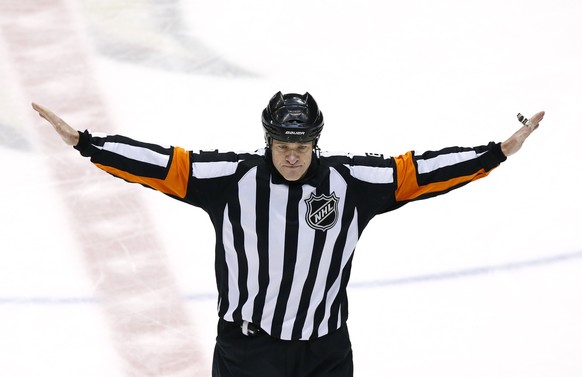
{"x": 292, "y": 118}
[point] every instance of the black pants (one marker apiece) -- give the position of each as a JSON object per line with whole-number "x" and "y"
{"x": 237, "y": 355}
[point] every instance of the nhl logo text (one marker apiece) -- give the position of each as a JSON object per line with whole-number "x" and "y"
{"x": 322, "y": 211}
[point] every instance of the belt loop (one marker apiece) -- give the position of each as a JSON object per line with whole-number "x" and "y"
{"x": 249, "y": 329}
{"x": 245, "y": 328}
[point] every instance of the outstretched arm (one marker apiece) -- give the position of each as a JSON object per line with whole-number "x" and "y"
{"x": 165, "y": 169}
{"x": 437, "y": 172}
{"x": 514, "y": 143}
{"x": 66, "y": 132}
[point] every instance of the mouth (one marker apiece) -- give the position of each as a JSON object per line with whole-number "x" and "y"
{"x": 292, "y": 166}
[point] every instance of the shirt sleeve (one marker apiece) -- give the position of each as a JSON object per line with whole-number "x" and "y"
{"x": 437, "y": 172}
{"x": 166, "y": 169}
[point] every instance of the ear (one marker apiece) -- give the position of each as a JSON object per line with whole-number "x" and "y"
{"x": 268, "y": 141}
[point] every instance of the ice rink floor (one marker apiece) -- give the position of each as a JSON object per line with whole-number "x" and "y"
{"x": 102, "y": 278}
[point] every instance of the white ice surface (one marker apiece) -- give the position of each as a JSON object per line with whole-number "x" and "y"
{"x": 484, "y": 281}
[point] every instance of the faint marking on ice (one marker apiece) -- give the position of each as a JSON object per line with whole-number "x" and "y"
{"x": 154, "y": 36}
{"x": 470, "y": 272}
{"x": 13, "y": 139}
{"x": 369, "y": 284}
{"x": 138, "y": 293}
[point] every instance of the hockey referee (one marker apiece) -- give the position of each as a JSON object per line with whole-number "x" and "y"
{"x": 287, "y": 218}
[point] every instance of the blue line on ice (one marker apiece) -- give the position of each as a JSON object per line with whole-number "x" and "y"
{"x": 431, "y": 277}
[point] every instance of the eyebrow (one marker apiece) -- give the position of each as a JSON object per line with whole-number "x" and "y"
{"x": 284, "y": 143}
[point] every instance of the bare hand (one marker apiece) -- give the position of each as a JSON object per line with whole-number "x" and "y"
{"x": 514, "y": 143}
{"x": 66, "y": 132}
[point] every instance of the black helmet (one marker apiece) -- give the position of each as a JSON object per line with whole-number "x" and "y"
{"x": 292, "y": 118}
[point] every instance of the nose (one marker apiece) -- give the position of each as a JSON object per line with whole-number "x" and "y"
{"x": 292, "y": 158}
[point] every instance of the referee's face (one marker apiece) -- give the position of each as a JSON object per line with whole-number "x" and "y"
{"x": 291, "y": 159}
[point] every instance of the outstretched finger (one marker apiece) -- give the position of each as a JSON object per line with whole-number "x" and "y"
{"x": 535, "y": 120}
{"x": 45, "y": 113}
{"x": 66, "y": 132}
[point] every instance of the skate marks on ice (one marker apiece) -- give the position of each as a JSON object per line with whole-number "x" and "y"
{"x": 153, "y": 34}
{"x": 148, "y": 320}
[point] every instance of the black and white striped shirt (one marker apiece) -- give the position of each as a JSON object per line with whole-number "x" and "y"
{"x": 284, "y": 249}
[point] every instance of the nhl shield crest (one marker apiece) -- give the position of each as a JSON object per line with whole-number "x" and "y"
{"x": 322, "y": 212}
